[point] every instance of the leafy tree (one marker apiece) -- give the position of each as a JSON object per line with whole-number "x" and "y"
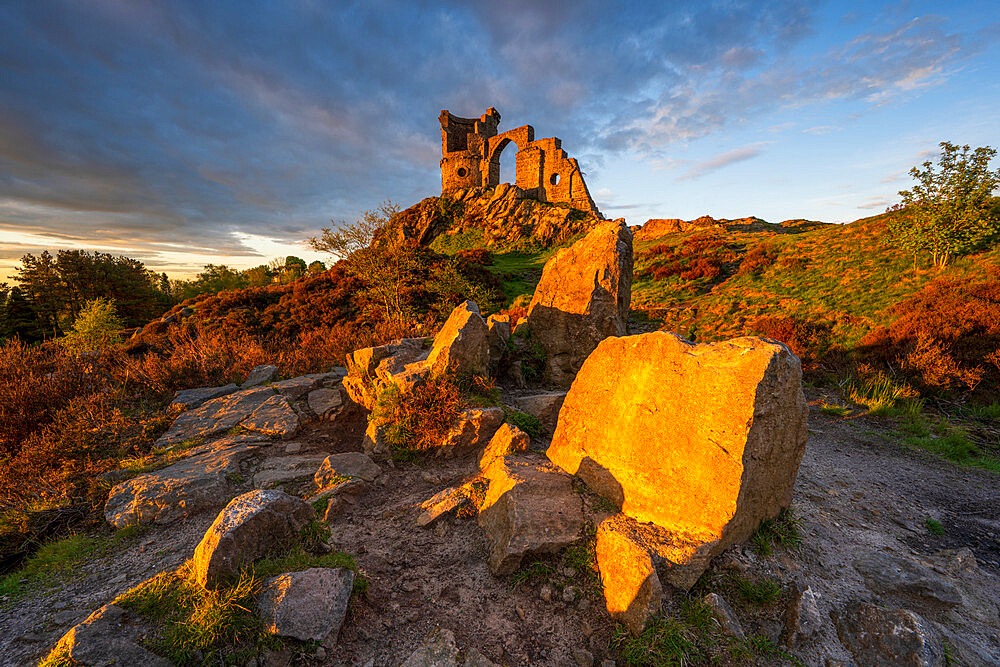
{"x": 19, "y": 320}
{"x": 386, "y": 267}
{"x": 316, "y": 266}
{"x": 212, "y": 280}
{"x": 950, "y": 210}
{"x": 96, "y": 327}
{"x": 42, "y": 287}
{"x": 258, "y": 276}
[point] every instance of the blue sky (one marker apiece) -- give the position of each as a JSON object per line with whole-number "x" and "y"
{"x": 184, "y": 133}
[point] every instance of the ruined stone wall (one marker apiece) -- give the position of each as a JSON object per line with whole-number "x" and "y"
{"x": 471, "y": 151}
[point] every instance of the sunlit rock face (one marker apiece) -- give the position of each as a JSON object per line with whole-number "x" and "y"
{"x": 697, "y": 444}
{"x": 582, "y": 298}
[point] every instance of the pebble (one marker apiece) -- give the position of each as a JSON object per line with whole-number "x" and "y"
{"x": 545, "y": 592}
{"x": 569, "y": 594}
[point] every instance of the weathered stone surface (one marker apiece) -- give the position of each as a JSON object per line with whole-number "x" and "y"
{"x": 582, "y": 298}
{"x": 348, "y": 464}
{"x": 702, "y": 440}
{"x": 274, "y": 417}
{"x": 280, "y": 470}
{"x": 107, "y": 637}
{"x": 188, "y": 399}
{"x": 442, "y": 503}
{"x": 462, "y": 346}
{"x": 530, "y": 508}
{"x": 193, "y": 485}
{"x": 438, "y": 650}
{"x": 374, "y": 444}
{"x": 499, "y": 333}
{"x": 215, "y": 416}
{"x": 635, "y": 561}
{"x": 508, "y": 439}
{"x": 545, "y": 406}
{"x": 473, "y": 658}
{"x": 877, "y": 636}
{"x": 632, "y": 589}
{"x": 259, "y": 375}
{"x": 802, "y": 616}
{"x": 324, "y": 401}
{"x": 891, "y": 575}
{"x": 362, "y": 383}
{"x": 471, "y": 151}
{"x": 724, "y": 615}
{"x": 295, "y": 388}
{"x": 250, "y": 527}
{"x": 309, "y": 605}
{"x": 474, "y": 429}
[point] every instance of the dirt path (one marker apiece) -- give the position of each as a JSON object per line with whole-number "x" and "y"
{"x": 855, "y": 495}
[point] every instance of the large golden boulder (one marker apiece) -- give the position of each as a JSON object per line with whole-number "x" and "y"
{"x": 701, "y": 440}
{"x": 582, "y": 298}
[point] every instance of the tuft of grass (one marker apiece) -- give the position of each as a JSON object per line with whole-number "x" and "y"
{"x": 989, "y": 412}
{"x": 761, "y": 593}
{"x": 834, "y": 410}
{"x": 530, "y": 424}
{"x": 199, "y": 625}
{"x": 532, "y": 573}
{"x": 781, "y": 531}
{"x": 54, "y": 558}
{"x": 933, "y": 526}
{"x": 665, "y": 641}
{"x": 881, "y": 394}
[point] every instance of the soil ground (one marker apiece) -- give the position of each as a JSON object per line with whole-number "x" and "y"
{"x": 857, "y": 492}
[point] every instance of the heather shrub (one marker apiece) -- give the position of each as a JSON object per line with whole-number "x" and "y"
{"x": 422, "y": 418}
{"x": 807, "y": 340}
{"x": 758, "y": 259}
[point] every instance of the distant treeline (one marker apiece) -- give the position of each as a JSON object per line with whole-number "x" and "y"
{"x": 51, "y": 290}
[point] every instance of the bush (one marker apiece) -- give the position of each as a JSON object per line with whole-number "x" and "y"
{"x": 807, "y": 340}
{"x": 96, "y": 327}
{"x": 421, "y": 419}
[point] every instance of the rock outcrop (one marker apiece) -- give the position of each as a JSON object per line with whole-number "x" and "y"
{"x": 195, "y": 484}
{"x": 878, "y": 636}
{"x": 308, "y": 605}
{"x": 215, "y": 416}
{"x": 529, "y": 508}
{"x": 462, "y": 346}
{"x": 347, "y": 464}
{"x": 582, "y": 298}
{"x": 250, "y": 527}
{"x": 108, "y": 637}
{"x": 507, "y": 440}
{"x": 704, "y": 441}
{"x": 475, "y": 428}
{"x": 544, "y": 405}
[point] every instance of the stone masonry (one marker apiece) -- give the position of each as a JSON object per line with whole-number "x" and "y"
{"x": 471, "y": 151}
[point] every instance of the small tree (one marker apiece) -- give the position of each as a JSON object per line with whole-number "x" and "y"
{"x": 386, "y": 267}
{"x": 950, "y": 210}
{"x": 96, "y": 327}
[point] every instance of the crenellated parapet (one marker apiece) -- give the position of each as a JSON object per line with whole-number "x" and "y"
{"x": 471, "y": 149}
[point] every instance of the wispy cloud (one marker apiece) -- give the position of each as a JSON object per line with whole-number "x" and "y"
{"x": 721, "y": 160}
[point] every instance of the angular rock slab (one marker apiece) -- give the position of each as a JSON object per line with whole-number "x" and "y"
{"x": 441, "y": 503}
{"x": 108, "y": 637}
{"x": 507, "y": 440}
{"x": 530, "y": 508}
{"x": 636, "y": 559}
{"x": 877, "y": 636}
{"x": 362, "y": 383}
{"x": 474, "y": 429}
{"x": 274, "y": 417}
{"x": 890, "y": 575}
{"x": 462, "y": 346}
{"x": 295, "y": 388}
{"x": 193, "y": 485}
{"x": 259, "y": 375}
{"x": 703, "y": 440}
{"x": 324, "y": 401}
{"x": 309, "y": 605}
{"x": 582, "y": 298}
{"x": 347, "y": 464}
{"x": 188, "y": 399}
{"x": 250, "y": 527}
{"x": 545, "y": 406}
{"x": 215, "y": 416}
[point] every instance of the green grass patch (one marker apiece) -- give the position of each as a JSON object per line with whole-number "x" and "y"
{"x": 530, "y": 424}
{"x": 782, "y": 531}
{"x": 881, "y": 394}
{"x": 59, "y": 558}
{"x": 451, "y": 244}
{"x": 834, "y": 410}
{"x": 757, "y": 592}
{"x": 536, "y": 571}
{"x": 933, "y": 526}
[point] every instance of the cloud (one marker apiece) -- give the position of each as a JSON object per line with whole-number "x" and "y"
{"x": 822, "y": 129}
{"x": 721, "y": 160}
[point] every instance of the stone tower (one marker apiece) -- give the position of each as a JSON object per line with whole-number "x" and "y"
{"x": 470, "y": 158}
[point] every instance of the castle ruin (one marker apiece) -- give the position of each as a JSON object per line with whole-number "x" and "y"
{"x": 471, "y": 151}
